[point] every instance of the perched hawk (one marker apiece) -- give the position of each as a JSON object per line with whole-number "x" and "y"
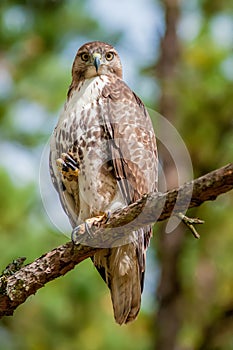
{"x": 103, "y": 157}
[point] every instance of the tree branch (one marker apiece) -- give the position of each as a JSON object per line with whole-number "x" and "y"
{"x": 16, "y": 288}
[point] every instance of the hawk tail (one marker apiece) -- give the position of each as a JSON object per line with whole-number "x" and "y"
{"x": 126, "y": 294}
{"x": 122, "y": 271}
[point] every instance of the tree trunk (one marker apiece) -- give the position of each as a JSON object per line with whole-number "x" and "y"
{"x": 168, "y": 318}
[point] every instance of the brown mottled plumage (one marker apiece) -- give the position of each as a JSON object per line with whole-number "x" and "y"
{"x": 107, "y": 131}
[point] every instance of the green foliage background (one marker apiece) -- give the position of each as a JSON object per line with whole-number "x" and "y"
{"x": 74, "y": 312}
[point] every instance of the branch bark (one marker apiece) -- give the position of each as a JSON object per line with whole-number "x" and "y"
{"x": 15, "y": 289}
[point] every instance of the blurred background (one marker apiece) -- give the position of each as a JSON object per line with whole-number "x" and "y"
{"x": 177, "y": 56}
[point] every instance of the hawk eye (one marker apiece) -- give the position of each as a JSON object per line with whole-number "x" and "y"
{"x": 84, "y": 56}
{"x": 109, "y": 56}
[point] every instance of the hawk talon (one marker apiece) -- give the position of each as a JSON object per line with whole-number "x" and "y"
{"x": 67, "y": 166}
{"x": 88, "y": 230}
{"x": 62, "y": 166}
{"x": 77, "y": 234}
{"x": 74, "y": 235}
{"x": 107, "y": 215}
{"x": 69, "y": 160}
{"x": 95, "y": 222}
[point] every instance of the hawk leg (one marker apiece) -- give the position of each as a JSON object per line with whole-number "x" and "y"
{"x": 68, "y": 166}
{"x": 90, "y": 225}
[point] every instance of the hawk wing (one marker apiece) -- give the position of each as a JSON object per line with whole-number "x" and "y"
{"x": 132, "y": 148}
{"x": 133, "y": 156}
{"x": 132, "y": 143}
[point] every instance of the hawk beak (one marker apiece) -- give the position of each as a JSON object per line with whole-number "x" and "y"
{"x": 97, "y": 61}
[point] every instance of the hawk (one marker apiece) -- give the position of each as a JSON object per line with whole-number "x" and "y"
{"x": 103, "y": 157}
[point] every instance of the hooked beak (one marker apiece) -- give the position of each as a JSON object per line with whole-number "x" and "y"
{"x": 97, "y": 61}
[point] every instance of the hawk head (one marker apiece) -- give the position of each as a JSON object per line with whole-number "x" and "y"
{"x": 96, "y": 58}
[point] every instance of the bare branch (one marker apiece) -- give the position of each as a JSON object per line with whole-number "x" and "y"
{"x": 159, "y": 206}
{"x": 190, "y": 222}
{"x": 15, "y": 289}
